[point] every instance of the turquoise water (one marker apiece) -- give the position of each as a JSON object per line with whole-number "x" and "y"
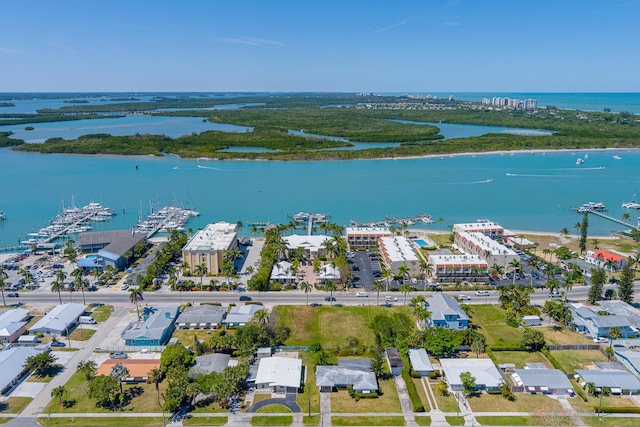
{"x": 537, "y": 195}
{"x": 421, "y": 242}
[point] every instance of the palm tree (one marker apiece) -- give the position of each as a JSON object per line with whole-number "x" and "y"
{"x": 200, "y": 270}
{"x": 57, "y": 286}
{"x": 590, "y": 387}
{"x": 611, "y": 266}
{"x": 567, "y": 285}
{"x": 564, "y": 232}
{"x": 496, "y": 270}
{"x": 404, "y": 271}
{"x": 3, "y": 276}
{"x": 79, "y": 281}
{"x": 405, "y": 289}
{"x": 155, "y": 377}
{"x": 262, "y": 317}
{"x": 306, "y": 287}
{"x": 239, "y": 226}
{"x": 87, "y": 368}
{"x": 427, "y": 270}
{"x": 119, "y": 371}
{"x": 577, "y": 226}
{"x": 595, "y": 242}
{"x": 331, "y": 287}
{"x": 553, "y": 285}
{"x": 626, "y": 217}
{"x": 377, "y": 286}
{"x": 515, "y": 269}
{"x": 135, "y": 295}
{"x": 58, "y": 393}
{"x": 27, "y": 277}
{"x": 614, "y": 334}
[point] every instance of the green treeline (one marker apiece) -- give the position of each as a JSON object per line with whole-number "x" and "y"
{"x": 5, "y": 141}
{"x": 21, "y": 119}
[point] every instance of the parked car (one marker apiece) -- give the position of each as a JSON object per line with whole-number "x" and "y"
{"x": 601, "y": 340}
{"x": 329, "y": 298}
{"x": 57, "y": 344}
{"x": 362, "y": 294}
{"x": 464, "y": 297}
{"x": 482, "y": 293}
{"x": 13, "y": 295}
{"x": 125, "y": 287}
{"x": 118, "y": 355}
{"x": 245, "y": 298}
{"x": 554, "y": 295}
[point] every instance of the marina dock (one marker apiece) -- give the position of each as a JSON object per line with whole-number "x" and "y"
{"x": 166, "y": 219}
{"x": 395, "y": 222}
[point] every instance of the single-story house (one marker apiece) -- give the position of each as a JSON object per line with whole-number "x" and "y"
{"x": 12, "y": 362}
{"x": 355, "y": 373}
{"x": 394, "y": 361}
{"x": 240, "y": 315}
{"x": 13, "y": 324}
{"x": 621, "y": 308}
{"x": 208, "y": 363}
{"x": 586, "y": 319}
{"x": 601, "y": 259}
{"x": 28, "y": 340}
{"x": 544, "y": 381}
{"x": 483, "y": 370}
{"x": 328, "y": 272}
{"x": 280, "y": 374}
{"x": 620, "y": 381}
{"x": 314, "y": 246}
{"x": 531, "y": 320}
{"x": 201, "y": 316}
{"x": 281, "y": 273}
{"x": 447, "y": 313}
{"x": 420, "y": 362}
{"x": 155, "y": 329}
{"x": 630, "y": 359}
{"x": 59, "y": 321}
{"x": 138, "y": 368}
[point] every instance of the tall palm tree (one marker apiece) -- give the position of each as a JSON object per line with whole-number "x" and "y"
{"x": 79, "y": 281}
{"x": 119, "y": 371}
{"x": 427, "y": 270}
{"x": 626, "y": 217}
{"x": 262, "y": 317}
{"x": 378, "y": 286}
{"x": 135, "y": 295}
{"x": 201, "y": 270}
{"x": 3, "y": 276}
{"x": 405, "y": 289}
{"x": 567, "y": 285}
{"x": 515, "y": 269}
{"x": 564, "y": 232}
{"x": 404, "y": 271}
{"x": 306, "y": 287}
{"x": 155, "y": 377}
{"x": 331, "y": 287}
{"x": 57, "y": 286}
{"x": 553, "y": 285}
{"x": 577, "y": 226}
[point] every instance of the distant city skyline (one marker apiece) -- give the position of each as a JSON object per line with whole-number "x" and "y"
{"x": 373, "y": 46}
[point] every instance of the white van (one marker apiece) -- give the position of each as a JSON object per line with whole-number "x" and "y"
{"x": 87, "y": 320}
{"x": 362, "y": 294}
{"x": 390, "y": 299}
{"x": 464, "y": 297}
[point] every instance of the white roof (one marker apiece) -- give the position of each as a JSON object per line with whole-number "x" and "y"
{"x": 477, "y": 226}
{"x": 312, "y": 243}
{"x": 484, "y": 371}
{"x": 487, "y": 244}
{"x": 58, "y": 319}
{"x": 12, "y": 320}
{"x": 242, "y": 313}
{"x": 12, "y": 363}
{"x": 398, "y": 249}
{"x": 374, "y": 231}
{"x": 329, "y": 272}
{"x": 282, "y": 271}
{"x": 457, "y": 260}
{"x": 215, "y": 237}
{"x": 420, "y": 359}
{"x": 279, "y": 371}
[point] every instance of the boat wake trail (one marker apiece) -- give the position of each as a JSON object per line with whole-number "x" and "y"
{"x": 538, "y": 175}
{"x": 581, "y": 169}
{"x": 209, "y": 167}
{"x": 484, "y": 181}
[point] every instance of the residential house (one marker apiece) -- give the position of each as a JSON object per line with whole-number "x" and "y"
{"x": 604, "y": 259}
{"x": 155, "y": 329}
{"x": 208, "y": 247}
{"x": 12, "y": 362}
{"x": 240, "y": 315}
{"x": 587, "y": 320}
{"x": 629, "y": 358}
{"x": 621, "y": 308}
{"x": 328, "y": 272}
{"x": 279, "y": 374}
{"x": 59, "y": 321}
{"x": 620, "y": 381}
{"x": 394, "y": 361}
{"x": 139, "y": 369}
{"x": 281, "y": 273}
{"x": 483, "y": 370}
{"x": 202, "y": 316}
{"x": 13, "y": 324}
{"x": 313, "y": 246}
{"x": 447, "y": 313}
{"x": 354, "y": 373}
{"x": 544, "y": 381}
{"x": 420, "y": 362}
{"x": 208, "y": 363}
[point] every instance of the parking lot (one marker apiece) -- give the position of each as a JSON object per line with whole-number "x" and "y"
{"x": 366, "y": 269}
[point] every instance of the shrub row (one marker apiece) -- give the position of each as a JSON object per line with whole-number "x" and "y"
{"x": 411, "y": 390}
{"x": 618, "y": 409}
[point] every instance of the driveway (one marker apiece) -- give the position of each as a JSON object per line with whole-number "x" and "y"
{"x": 289, "y": 402}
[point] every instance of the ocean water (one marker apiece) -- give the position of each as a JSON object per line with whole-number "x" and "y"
{"x": 524, "y": 191}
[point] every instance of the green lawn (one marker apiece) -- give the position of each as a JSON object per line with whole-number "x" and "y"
{"x": 564, "y": 336}
{"x": 423, "y": 421}
{"x": 455, "y": 421}
{"x": 284, "y": 420}
{"x": 445, "y": 403}
{"x": 102, "y": 422}
{"x": 367, "y": 421}
{"x": 309, "y": 387}
{"x": 490, "y": 320}
{"x": 145, "y": 398}
{"x": 102, "y": 313}
{"x": 82, "y": 334}
{"x": 341, "y": 402}
{"x": 274, "y": 409}
{"x": 610, "y": 422}
{"x": 570, "y": 360}
{"x": 185, "y": 336}
{"x": 520, "y": 358}
{"x": 593, "y": 401}
{"x": 313, "y": 420}
{"x": 331, "y": 326}
{"x": 205, "y": 421}
{"x": 524, "y": 421}
{"x": 417, "y": 382}
{"x": 523, "y": 403}
{"x": 15, "y": 405}
{"x": 48, "y": 375}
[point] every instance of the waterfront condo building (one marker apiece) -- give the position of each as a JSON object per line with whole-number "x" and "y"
{"x": 397, "y": 251}
{"x": 488, "y": 228}
{"x": 208, "y": 246}
{"x": 365, "y": 237}
{"x": 488, "y": 249}
{"x": 458, "y": 268}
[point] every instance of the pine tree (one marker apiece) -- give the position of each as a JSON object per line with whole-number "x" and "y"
{"x": 598, "y": 278}
{"x": 625, "y": 284}
{"x": 583, "y": 232}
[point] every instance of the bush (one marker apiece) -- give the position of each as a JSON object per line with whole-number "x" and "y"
{"x": 411, "y": 390}
{"x": 580, "y": 392}
{"x": 618, "y": 409}
{"x": 552, "y": 359}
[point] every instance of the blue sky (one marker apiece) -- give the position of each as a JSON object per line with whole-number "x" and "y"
{"x": 347, "y": 45}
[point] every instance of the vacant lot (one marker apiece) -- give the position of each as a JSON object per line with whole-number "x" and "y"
{"x": 367, "y": 421}
{"x": 523, "y": 403}
{"x": 570, "y": 360}
{"x": 594, "y": 402}
{"x": 564, "y": 336}
{"x": 520, "y": 358}
{"x": 331, "y": 326}
{"x": 102, "y": 313}
{"x": 341, "y": 402}
{"x": 490, "y": 320}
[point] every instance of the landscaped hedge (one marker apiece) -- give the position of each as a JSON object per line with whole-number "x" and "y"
{"x": 411, "y": 390}
{"x": 580, "y": 392}
{"x": 617, "y": 409}
{"x": 552, "y": 359}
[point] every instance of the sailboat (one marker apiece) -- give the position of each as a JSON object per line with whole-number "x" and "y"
{"x": 633, "y": 204}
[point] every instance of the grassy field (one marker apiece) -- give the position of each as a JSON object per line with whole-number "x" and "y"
{"x": 455, "y": 421}
{"x": 82, "y": 334}
{"x": 145, "y": 398}
{"x": 592, "y": 401}
{"x": 610, "y": 422}
{"x": 524, "y": 421}
{"x": 102, "y": 313}
{"x": 185, "y": 336}
{"x": 520, "y": 358}
{"x": 284, "y": 420}
{"x": 313, "y": 420}
{"x": 102, "y": 422}
{"x": 341, "y": 402}
{"x": 15, "y": 405}
{"x": 367, "y": 421}
{"x": 309, "y": 387}
{"x": 445, "y": 403}
{"x": 423, "y": 421}
{"x": 570, "y": 360}
{"x": 274, "y": 409}
{"x": 490, "y": 320}
{"x": 523, "y": 403}
{"x": 563, "y": 336}
{"x": 205, "y": 421}
{"x": 420, "y": 389}
{"x": 331, "y": 325}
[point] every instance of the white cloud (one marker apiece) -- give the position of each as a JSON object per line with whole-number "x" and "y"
{"x": 252, "y": 41}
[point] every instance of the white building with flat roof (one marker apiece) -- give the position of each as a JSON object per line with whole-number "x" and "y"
{"x": 476, "y": 243}
{"x": 454, "y": 267}
{"x": 365, "y": 237}
{"x": 207, "y": 246}
{"x": 314, "y": 246}
{"x": 280, "y": 374}
{"x": 488, "y": 228}
{"x": 397, "y": 251}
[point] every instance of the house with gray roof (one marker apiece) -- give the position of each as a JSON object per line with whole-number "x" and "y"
{"x": 59, "y": 321}
{"x": 240, "y": 315}
{"x": 543, "y": 381}
{"x": 621, "y": 308}
{"x": 483, "y": 370}
{"x": 12, "y": 324}
{"x": 355, "y": 373}
{"x": 586, "y": 319}
{"x": 629, "y": 358}
{"x": 208, "y": 363}
{"x": 155, "y": 329}
{"x": 202, "y": 316}
{"x": 12, "y": 362}
{"x": 394, "y": 360}
{"x": 447, "y": 313}
{"x": 110, "y": 246}
{"x": 420, "y": 362}
{"x": 619, "y": 381}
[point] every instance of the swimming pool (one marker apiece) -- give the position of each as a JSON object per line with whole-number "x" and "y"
{"x": 421, "y": 242}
